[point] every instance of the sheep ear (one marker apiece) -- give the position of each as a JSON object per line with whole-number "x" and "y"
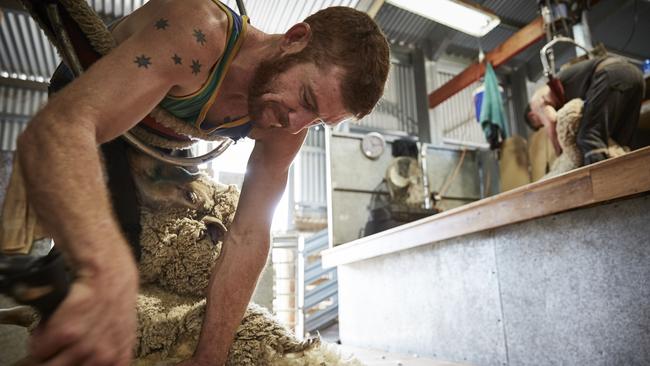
{"x": 216, "y": 229}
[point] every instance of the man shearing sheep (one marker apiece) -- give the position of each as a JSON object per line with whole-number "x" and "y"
{"x": 204, "y": 64}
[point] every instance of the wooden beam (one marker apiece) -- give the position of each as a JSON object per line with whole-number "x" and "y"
{"x": 518, "y": 42}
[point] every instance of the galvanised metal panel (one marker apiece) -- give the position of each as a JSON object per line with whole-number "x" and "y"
{"x": 115, "y": 8}
{"x": 24, "y": 49}
{"x": 316, "y": 137}
{"x": 488, "y": 42}
{"x": 20, "y": 101}
{"x": 10, "y": 128}
{"x": 402, "y": 26}
{"x": 455, "y": 118}
{"x": 519, "y": 11}
{"x": 397, "y": 109}
{"x": 17, "y": 106}
{"x": 276, "y": 16}
{"x": 311, "y": 175}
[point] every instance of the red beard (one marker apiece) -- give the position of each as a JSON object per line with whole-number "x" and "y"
{"x": 265, "y": 74}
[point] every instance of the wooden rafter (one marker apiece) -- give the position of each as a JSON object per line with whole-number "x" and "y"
{"x": 514, "y": 45}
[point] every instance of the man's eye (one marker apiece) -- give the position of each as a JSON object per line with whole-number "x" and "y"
{"x": 305, "y": 101}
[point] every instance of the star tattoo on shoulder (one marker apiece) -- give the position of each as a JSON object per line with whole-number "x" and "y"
{"x": 177, "y": 59}
{"x": 200, "y": 37}
{"x": 143, "y": 61}
{"x": 196, "y": 67}
{"x": 162, "y": 23}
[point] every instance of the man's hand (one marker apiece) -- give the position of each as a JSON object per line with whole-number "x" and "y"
{"x": 551, "y": 130}
{"x": 96, "y": 323}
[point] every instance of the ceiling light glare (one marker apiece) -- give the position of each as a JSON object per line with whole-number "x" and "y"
{"x": 457, "y": 14}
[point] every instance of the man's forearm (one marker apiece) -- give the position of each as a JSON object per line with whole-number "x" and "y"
{"x": 65, "y": 185}
{"x": 231, "y": 286}
{"x": 96, "y": 322}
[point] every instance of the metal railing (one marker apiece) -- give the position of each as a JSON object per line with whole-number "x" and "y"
{"x": 319, "y": 290}
{"x": 306, "y": 295}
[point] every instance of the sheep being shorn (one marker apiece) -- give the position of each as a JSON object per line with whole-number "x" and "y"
{"x": 180, "y": 244}
{"x": 568, "y": 124}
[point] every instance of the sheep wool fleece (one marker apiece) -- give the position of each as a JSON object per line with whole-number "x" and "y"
{"x": 178, "y": 253}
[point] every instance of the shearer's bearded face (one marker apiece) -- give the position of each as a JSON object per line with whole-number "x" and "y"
{"x": 291, "y": 93}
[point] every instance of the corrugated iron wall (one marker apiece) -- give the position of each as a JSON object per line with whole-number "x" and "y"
{"x": 455, "y": 118}
{"x": 273, "y": 16}
{"x": 397, "y": 109}
{"x": 25, "y": 52}
{"x": 115, "y": 8}
{"x": 17, "y": 105}
{"x": 276, "y": 16}
{"x": 405, "y": 27}
{"x": 311, "y": 179}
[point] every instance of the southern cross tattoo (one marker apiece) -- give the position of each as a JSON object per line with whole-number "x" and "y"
{"x": 143, "y": 61}
{"x": 177, "y": 59}
{"x": 162, "y": 23}
{"x": 200, "y": 37}
{"x": 196, "y": 67}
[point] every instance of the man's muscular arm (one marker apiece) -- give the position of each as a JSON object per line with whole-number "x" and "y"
{"x": 95, "y": 325}
{"x": 544, "y": 105}
{"x": 246, "y": 246}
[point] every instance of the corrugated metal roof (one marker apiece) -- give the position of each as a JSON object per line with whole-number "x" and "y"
{"x": 487, "y": 42}
{"x": 16, "y": 107}
{"x": 611, "y": 21}
{"x": 115, "y": 8}
{"x": 272, "y": 16}
{"x": 20, "y": 102}
{"x": 402, "y": 26}
{"x": 25, "y": 52}
{"x": 518, "y": 11}
{"x": 276, "y": 16}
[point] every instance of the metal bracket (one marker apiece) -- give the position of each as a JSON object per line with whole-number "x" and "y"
{"x": 546, "y": 54}
{"x": 241, "y": 7}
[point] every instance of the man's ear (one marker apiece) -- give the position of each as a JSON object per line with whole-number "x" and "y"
{"x": 295, "y": 39}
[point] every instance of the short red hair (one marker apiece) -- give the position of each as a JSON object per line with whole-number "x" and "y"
{"x": 350, "y": 39}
